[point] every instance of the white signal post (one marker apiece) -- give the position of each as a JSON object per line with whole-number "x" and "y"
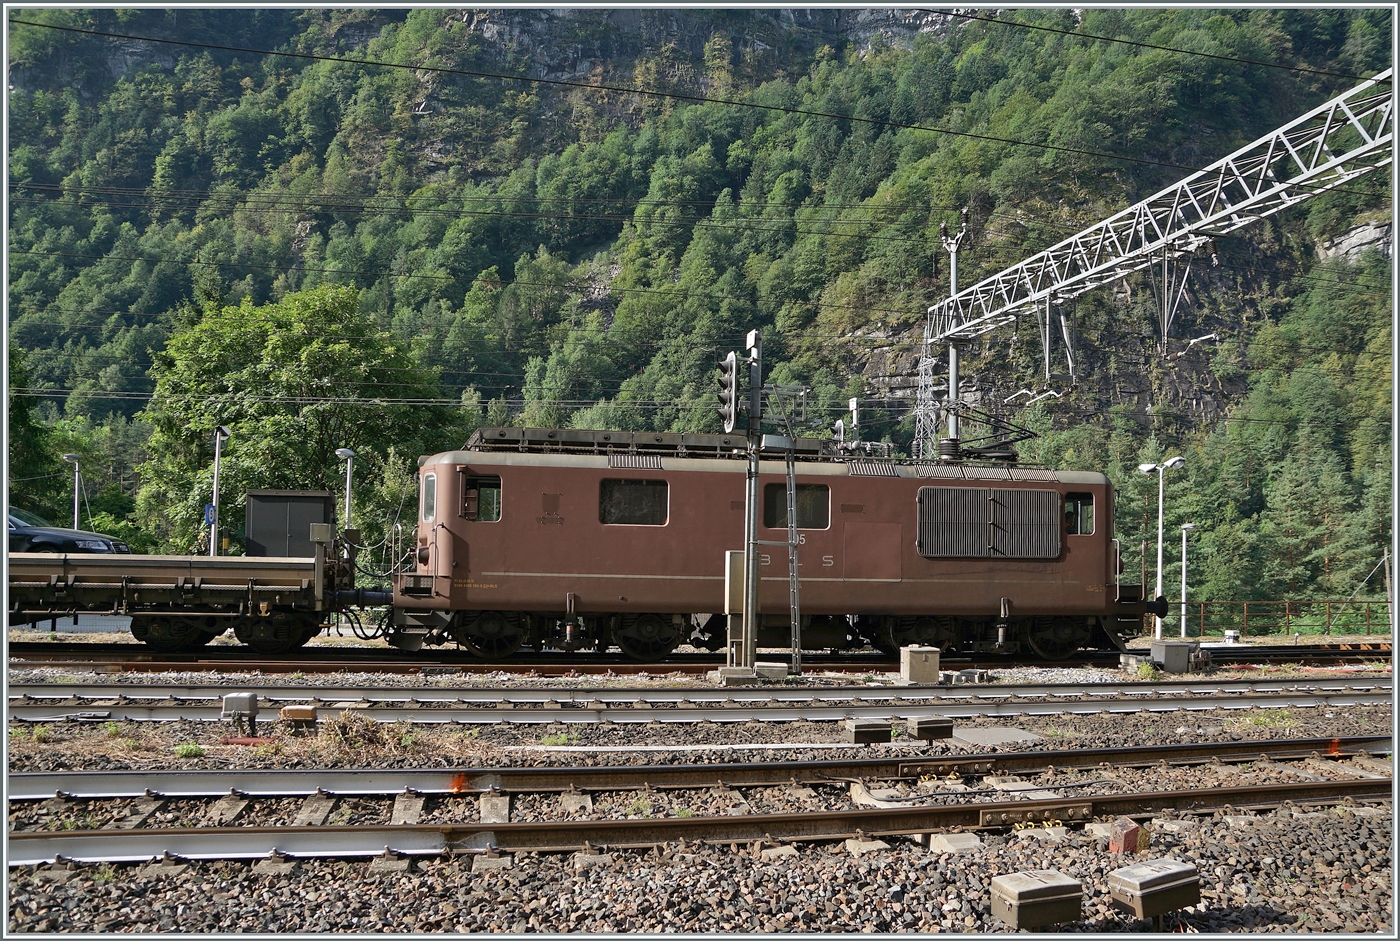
{"x": 1185, "y": 528}
{"x": 77, "y": 479}
{"x": 954, "y": 393}
{"x": 754, "y": 344}
{"x": 348, "y": 456}
{"x": 221, "y": 434}
{"x": 1161, "y": 469}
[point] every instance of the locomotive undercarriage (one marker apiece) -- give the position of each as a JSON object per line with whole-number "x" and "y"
{"x": 1050, "y": 637}
{"x": 495, "y": 635}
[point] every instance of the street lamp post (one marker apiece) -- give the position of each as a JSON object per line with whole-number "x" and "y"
{"x": 1161, "y": 469}
{"x": 348, "y": 456}
{"x": 221, "y": 434}
{"x": 73, "y": 459}
{"x": 1185, "y": 528}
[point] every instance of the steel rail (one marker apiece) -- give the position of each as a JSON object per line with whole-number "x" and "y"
{"x": 106, "y": 785}
{"x": 730, "y": 713}
{"x": 134, "y": 657}
{"x": 37, "y": 692}
{"x": 28, "y": 848}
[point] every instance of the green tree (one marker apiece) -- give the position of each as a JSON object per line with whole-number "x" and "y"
{"x": 293, "y": 381}
{"x": 36, "y": 473}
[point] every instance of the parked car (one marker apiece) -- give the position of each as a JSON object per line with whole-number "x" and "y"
{"x": 32, "y": 533}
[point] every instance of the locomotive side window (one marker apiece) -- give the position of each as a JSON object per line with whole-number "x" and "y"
{"x": 429, "y": 497}
{"x": 813, "y": 506}
{"x": 1079, "y": 514}
{"x": 481, "y": 498}
{"x": 634, "y": 502}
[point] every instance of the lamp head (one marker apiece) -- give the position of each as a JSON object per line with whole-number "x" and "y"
{"x": 72, "y": 458}
{"x": 1146, "y": 468}
{"x": 1175, "y": 462}
{"x": 344, "y": 454}
{"x": 1185, "y": 527}
{"x": 222, "y": 432}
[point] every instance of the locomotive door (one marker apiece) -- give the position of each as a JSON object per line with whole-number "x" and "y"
{"x": 873, "y": 551}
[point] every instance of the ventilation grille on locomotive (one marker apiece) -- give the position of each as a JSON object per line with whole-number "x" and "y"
{"x": 635, "y": 461}
{"x": 871, "y": 469}
{"x": 979, "y": 523}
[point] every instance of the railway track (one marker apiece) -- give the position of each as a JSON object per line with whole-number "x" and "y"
{"x": 119, "y": 702}
{"x": 83, "y": 785}
{"x": 119, "y": 657}
{"x": 831, "y": 800}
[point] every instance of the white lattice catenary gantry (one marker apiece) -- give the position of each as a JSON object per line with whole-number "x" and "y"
{"x": 1347, "y": 137}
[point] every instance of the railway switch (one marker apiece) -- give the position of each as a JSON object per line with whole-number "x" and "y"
{"x": 1154, "y": 888}
{"x": 1036, "y": 899}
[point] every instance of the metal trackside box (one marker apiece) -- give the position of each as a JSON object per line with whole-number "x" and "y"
{"x": 867, "y": 731}
{"x": 929, "y": 728}
{"x": 278, "y": 522}
{"x": 1035, "y": 899}
{"x": 1155, "y": 887}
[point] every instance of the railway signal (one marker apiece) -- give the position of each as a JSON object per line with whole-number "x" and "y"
{"x": 729, "y": 392}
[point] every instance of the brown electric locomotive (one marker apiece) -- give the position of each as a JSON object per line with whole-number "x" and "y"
{"x": 590, "y": 539}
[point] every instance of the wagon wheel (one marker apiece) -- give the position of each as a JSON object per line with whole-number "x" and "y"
{"x": 1056, "y": 638}
{"x": 490, "y": 635}
{"x": 311, "y": 630}
{"x": 170, "y": 634}
{"x": 647, "y": 636}
{"x": 270, "y": 636}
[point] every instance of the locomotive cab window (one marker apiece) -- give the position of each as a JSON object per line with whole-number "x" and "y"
{"x": 429, "y": 497}
{"x": 634, "y": 502}
{"x": 481, "y": 498}
{"x": 1079, "y": 514}
{"x": 813, "y": 506}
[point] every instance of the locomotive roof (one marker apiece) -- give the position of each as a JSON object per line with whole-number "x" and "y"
{"x": 720, "y": 453}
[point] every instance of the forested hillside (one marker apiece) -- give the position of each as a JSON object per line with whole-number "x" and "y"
{"x": 409, "y": 223}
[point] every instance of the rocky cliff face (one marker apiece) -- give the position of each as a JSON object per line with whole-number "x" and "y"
{"x": 572, "y": 43}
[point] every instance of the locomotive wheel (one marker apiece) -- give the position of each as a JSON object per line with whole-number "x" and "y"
{"x": 1056, "y": 638}
{"x": 926, "y": 631}
{"x": 273, "y": 635}
{"x": 172, "y": 634}
{"x": 647, "y": 636}
{"x": 490, "y": 635}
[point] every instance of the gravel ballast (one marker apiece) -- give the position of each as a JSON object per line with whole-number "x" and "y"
{"x": 1324, "y": 869}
